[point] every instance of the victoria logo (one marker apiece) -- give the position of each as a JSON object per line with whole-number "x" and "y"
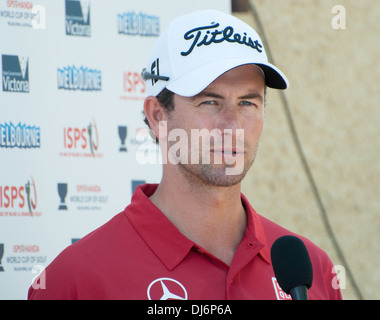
{"x": 78, "y": 18}
{"x": 166, "y": 289}
{"x": 15, "y": 73}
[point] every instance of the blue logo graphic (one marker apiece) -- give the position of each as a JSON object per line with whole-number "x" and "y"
{"x": 15, "y": 73}
{"x": 78, "y": 18}
{"x": 131, "y": 23}
{"x": 83, "y": 78}
{"x": 20, "y": 136}
{"x": 136, "y": 183}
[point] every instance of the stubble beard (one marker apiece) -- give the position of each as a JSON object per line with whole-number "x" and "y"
{"x": 215, "y": 174}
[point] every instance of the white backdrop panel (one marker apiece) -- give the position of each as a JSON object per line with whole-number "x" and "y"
{"x": 66, "y": 167}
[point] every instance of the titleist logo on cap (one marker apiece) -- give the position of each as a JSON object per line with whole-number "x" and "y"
{"x": 216, "y": 36}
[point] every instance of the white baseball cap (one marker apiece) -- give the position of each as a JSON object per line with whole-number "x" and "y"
{"x": 199, "y": 47}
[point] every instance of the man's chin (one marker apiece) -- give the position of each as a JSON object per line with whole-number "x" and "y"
{"x": 214, "y": 175}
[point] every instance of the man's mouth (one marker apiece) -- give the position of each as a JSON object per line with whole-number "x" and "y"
{"x": 229, "y": 152}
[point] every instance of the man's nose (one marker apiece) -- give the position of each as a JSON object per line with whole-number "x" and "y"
{"x": 229, "y": 117}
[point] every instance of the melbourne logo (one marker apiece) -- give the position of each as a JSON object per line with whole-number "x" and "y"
{"x": 81, "y": 141}
{"x": 19, "y": 200}
{"x": 83, "y": 78}
{"x": 141, "y": 24}
{"x": 78, "y": 18}
{"x": 15, "y": 76}
{"x": 203, "y": 36}
{"x": 19, "y": 136}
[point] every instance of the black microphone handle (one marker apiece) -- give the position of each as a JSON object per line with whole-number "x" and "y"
{"x": 299, "y": 293}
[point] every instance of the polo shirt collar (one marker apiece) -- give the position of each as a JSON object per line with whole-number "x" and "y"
{"x": 162, "y": 237}
{"x": 165, "y": 240}
{"x": 256, "y": 230}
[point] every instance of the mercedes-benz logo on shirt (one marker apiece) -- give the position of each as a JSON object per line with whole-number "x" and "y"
{"x": 166, "y": 289}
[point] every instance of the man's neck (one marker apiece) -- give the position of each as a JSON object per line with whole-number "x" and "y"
{"x": 212, "y": 217}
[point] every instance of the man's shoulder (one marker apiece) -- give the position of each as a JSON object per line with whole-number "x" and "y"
{"x": 273, "y": 231}
{"x": 104, "y": 240}
{"x": 83, "y": 263}
{"x": 105, "y": 232}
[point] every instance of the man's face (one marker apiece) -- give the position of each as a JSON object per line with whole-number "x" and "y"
{"x": 229, "y": 116}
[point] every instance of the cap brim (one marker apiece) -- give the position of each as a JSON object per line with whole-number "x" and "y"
{"x": 274, "y": 78}
{"x": 195, "y": 81}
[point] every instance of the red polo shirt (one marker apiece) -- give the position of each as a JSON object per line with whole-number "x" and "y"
{"x": 140, "y": 254}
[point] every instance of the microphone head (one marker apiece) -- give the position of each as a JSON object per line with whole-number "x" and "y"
{"x": 291, "y": 263}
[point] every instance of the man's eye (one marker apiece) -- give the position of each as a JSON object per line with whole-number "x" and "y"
{"x": 210, "y": 102}
{"x": 246, "y": 103}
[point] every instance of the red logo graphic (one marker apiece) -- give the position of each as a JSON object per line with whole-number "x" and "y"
{"x": 78, "y": 140}
{"x": 134, "y": 86}
{"x": 280, "y": 294}
{"x": 14, "y": 198}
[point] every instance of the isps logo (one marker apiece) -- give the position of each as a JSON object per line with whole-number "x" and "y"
{"x": 19, "y": 200}
{"x": 81, "y": 141}
{"x": 134, "y": 87}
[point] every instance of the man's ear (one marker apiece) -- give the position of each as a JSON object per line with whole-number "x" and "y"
{"x": 155, "y": 114}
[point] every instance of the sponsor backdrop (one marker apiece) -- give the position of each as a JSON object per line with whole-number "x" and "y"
{"x": 73, "y": 145}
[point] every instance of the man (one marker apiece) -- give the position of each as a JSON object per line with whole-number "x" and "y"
{"x": 193, "y": 236}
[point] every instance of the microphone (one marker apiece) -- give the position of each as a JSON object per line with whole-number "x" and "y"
{"x": 292, "y": 266}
